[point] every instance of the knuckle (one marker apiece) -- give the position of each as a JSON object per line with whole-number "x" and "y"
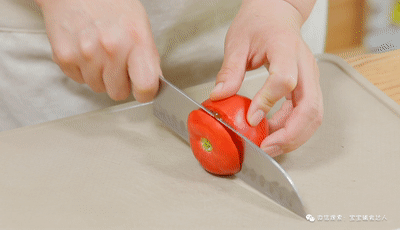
{"x": 88, "y": 47}
{"x": 313, "y": 113}
{"x": 287, "y": 80}
{"x": 267, "y": 101}
{"x": 290, "y": 82}
{"x": 64, "y": 55}
{"x": 139, "y": 32}
{"x": 112, "y": 37}
{"x": 110, "y": 44}
{"x": 232, "y": 76}
{"x": 228, "y": 71}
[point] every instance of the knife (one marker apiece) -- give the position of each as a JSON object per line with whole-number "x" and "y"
{"x": 259, "y": 170}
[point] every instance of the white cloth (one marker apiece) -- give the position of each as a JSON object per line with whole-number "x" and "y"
{"x": 189, "y": 35}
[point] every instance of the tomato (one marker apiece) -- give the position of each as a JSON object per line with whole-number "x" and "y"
{"x": 218, "y": 149}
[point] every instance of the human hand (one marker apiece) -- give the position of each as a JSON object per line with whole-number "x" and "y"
{"x": 106, "y": 44}
{"x": 268, "y": 33}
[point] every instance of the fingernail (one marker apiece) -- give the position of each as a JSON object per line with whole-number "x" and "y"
{"x": 256, "y": 118}
{"x": 218, "y": 88}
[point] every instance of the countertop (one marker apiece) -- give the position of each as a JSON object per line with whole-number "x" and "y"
{"x": 383, "y": 69}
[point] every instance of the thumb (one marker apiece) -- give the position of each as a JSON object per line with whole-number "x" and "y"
{"x": 281, "y": 82}
{"x": 231, "y": 74}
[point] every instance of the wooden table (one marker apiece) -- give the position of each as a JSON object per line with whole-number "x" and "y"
{"x": 383, "y": 70}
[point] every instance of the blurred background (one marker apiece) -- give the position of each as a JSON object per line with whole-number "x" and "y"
{"x": 363, "y": 26}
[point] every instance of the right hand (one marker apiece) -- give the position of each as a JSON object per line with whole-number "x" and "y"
{"x": 106, "y": 44}
{"x": 269, "y": 33}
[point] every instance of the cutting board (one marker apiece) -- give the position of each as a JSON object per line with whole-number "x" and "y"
{"x": 121, "y": 168}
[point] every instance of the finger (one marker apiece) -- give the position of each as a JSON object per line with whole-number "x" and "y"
{"x": 278, "y": 120}
{"x": 291, "y": 136}
{"x": 70, "y": 70}
{"x": 144, "y": 71}
{"x": 65, "y": 56}
{"x": 307, "y": 114}
{"x": 116, "y": 44}
{"x": 281, "y": 81}
{"x": 233, "y": 69}
{"x": 92, "y": 59}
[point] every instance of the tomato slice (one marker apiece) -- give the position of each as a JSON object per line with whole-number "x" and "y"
{"x": 212, "y": 145}
{"x": 218, "y": 149}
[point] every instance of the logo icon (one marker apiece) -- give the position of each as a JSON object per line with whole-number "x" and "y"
{"x": 310, "y": 218}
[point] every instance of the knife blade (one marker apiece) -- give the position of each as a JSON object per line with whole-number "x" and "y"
{"x": 259, "y": 170}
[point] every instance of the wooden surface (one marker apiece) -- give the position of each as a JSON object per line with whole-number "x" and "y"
{"x": 346, "y": 24}
{"x": 383, "y": 69}
{"x": 346, "y": 30}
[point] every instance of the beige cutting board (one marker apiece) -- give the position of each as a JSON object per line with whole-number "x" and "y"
{"x": 121, "y": 168}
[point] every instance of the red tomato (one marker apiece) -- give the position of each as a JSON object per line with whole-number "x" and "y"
{"x": 218, "y": 149}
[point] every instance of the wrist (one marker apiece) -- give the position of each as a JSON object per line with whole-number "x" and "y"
{"x": 276, "y": 12}
{"x": 304, "y": 7}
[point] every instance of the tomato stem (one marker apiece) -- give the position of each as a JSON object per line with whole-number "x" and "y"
{"x": 206, "y": 144}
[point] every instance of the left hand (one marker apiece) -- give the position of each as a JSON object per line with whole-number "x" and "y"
{"x": 107, "y": 44}
{"x": 268, "y": 33}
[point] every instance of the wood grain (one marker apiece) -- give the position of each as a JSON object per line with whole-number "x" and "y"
{"x": 383, "y": 70}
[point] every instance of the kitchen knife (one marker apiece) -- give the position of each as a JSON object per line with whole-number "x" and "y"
{"x": 259, "y": 170}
